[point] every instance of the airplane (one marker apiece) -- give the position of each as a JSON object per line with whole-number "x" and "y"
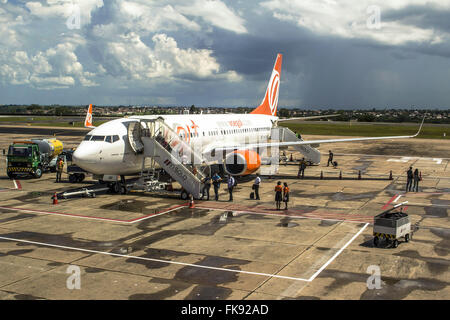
{"x": 236, "y": 138}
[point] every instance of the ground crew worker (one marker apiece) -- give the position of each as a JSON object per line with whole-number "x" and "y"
{"x": 301, "y": 168}
{"x": 216, "y": 183}
{"x": 409, "y": 179}
{"x": 416, "y": 180}
{"x": 231, "y": 182}
{"x": 207, "y": 183}
{"x": 286, "y": 195}
{"x": 256, "y": 187}
{"x": 278, "y": 194}
{"x": 330, "y": 158}
{"x": 59, "y": 169}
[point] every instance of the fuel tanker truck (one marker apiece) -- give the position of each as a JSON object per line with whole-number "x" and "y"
{"x": 33, "y": 157}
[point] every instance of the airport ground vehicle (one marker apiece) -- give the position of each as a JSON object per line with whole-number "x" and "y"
{"x": 33, "y": 157}
{"x": 392, "y": 225}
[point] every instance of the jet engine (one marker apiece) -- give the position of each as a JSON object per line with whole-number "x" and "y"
{"x": 242, "y": 162}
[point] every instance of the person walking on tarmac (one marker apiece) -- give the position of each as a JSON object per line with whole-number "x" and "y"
{"x": 231, "y": 182}
{"x": 286, "y": 195}
{"x": 301, "y": 168}
{"x": 207, "y": 186}
{"x": 278, "y": 195}
{"x": 330, "y": 158}
{"x": 409, "y": 179}
{"x": 216, "y": 183}
{"x": 256, "y": 187}
{"x": 59, "y": 169}
{"x": 416, "y": 179}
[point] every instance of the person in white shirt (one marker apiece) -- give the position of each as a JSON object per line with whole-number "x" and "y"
{"x": 256, "y": 187}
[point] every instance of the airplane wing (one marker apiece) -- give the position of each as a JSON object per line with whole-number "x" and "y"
{"x": 307, "y": 118}
{"x": 293, "y": 143}
{"x": 88, "y": 120}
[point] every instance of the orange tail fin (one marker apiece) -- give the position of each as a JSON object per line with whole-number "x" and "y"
{"x": 88, "y": 120}
{"x": 270, "y": 103}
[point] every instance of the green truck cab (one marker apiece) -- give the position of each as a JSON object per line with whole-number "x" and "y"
{"x": 32, "y": 157}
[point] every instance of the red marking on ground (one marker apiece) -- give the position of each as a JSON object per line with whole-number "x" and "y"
{"x": 289, "y": 212}
{"x": 389, "y": 202}
{"x": 91, "y": 217}
{"x": 19, "y": 187}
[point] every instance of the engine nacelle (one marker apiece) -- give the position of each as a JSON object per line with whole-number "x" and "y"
{"x": 242, "y": 162}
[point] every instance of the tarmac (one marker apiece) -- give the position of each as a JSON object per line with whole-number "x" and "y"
{"x": 144, "y": 246}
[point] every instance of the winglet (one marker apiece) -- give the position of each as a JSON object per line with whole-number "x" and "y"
{"x": 88, "y": 120}
{"x": 420, "y": 128}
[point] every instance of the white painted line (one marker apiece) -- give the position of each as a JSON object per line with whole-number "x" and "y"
{"x": 15, "y": 184}
{"x": 396, "y": 199}
{"x": 155, "y": 260}
{"x": 155, "y": 215}
{"x": 68, "y": 215}
{"x": 337, "y": 253}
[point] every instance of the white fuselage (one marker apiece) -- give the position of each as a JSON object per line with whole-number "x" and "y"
{"x": 108, "y": 151}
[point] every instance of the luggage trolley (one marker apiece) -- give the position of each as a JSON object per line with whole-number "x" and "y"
{"x": 392, "y": 225}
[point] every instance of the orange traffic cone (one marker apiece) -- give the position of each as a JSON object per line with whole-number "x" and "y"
{"x": 55, "y": 198}
{"x": 340, "y": 175}
{"x": 191, "y": 203}
{"x": 321, "y": 175}
{"x": 390, "y": 175}
{"x": 420, "y": 175}
{"x": 359, "y": 175}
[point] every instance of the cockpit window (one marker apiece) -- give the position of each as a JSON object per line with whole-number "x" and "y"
{"x": 98, "y": 138}
{"x": 115, "y": 138}
{"x": 87, "y": 138}
{"x": 108, "y": 139}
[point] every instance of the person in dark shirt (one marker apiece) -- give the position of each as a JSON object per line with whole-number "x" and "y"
{"x": 416, "y": 179}
{"x": 278, "y": 194}
{"x": 409, "y": 179}
{"x": 216, "y": 183}
{"x": 207, "y": 186}
{"x": 330, "y": 158}
{"x": 301, "y": 168}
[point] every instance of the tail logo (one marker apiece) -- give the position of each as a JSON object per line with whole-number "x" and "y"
{"x": 273, "y": 91}
{"x": 89, "y": 119}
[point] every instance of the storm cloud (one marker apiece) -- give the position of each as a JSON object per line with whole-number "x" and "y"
{"x": 336, "y": 54}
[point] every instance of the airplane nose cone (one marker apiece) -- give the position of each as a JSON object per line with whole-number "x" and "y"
{"x": 83, "y": 158}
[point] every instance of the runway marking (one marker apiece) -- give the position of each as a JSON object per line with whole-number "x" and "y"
{"x": 310, "y": 215}
{"x": 195, "y": 265}
{"x": 17, "y": 186}
{"x": 389, "y": 202}
{"x": 338, "y": 253}
{"x": 70, "y": 215}
{"x": 406, "y": 159}
{"x": 152, "y": 259}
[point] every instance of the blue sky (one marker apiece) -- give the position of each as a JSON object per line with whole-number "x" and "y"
{"x": 337, "y": 54}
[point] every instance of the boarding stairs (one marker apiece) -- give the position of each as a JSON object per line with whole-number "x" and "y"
{"x": 156, "y": 140}
{"x": 282, "y": 134}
